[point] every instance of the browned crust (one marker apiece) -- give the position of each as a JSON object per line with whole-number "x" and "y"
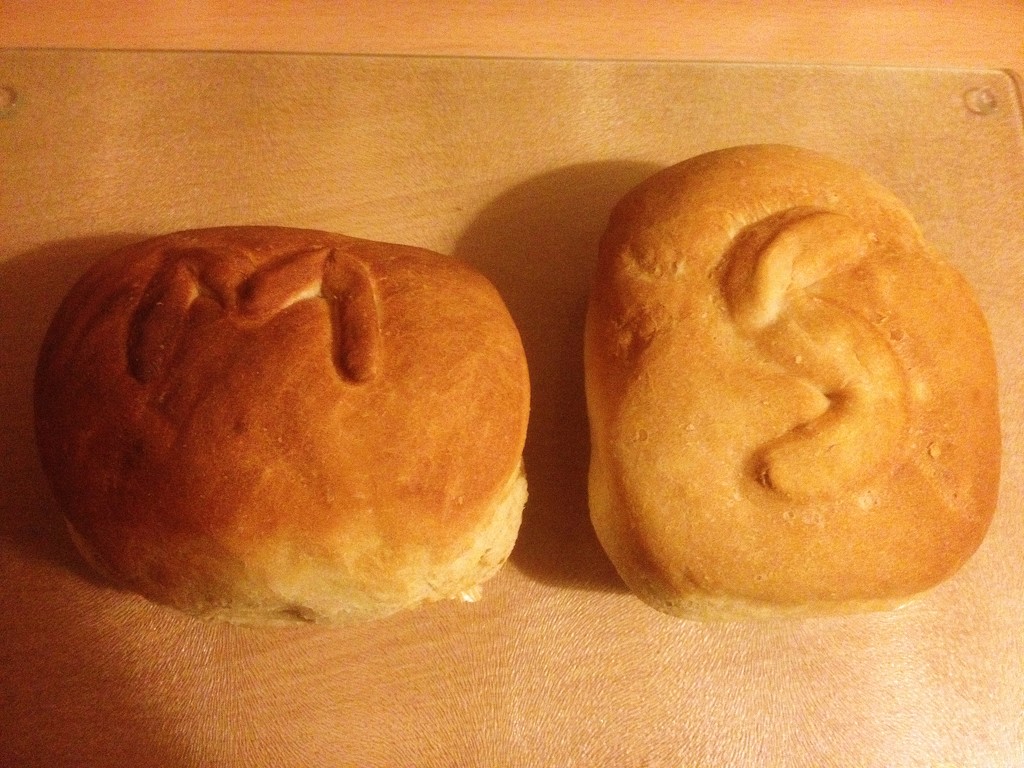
{"x": 793, "y": 400}
{"x": 268, "y": 421}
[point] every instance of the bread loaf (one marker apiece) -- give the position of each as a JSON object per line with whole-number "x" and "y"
{"x": 266, "y": 424}
{"x": 792, "y": 396}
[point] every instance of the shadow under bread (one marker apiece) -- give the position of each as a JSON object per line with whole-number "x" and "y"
{"x": 537, "y": 242}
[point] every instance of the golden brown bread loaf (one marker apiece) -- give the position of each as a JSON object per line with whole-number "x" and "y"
{"x": 792, "y": 398}
{"x": 268, "y": 424}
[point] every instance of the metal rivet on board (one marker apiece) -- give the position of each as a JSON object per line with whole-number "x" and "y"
{"x": 981, "y": 101}
{"x": 8, "y": 100}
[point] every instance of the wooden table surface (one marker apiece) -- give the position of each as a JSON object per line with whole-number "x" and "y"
{"x": 558, "y": 664}
{"x": 976, "y": 33}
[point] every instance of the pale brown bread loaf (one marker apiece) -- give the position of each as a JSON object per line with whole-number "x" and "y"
{"x": 792, "y": 397}
{"x": 268, "y": 424}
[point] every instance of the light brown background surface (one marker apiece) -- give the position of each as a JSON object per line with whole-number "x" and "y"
{"x": 988, "y": 33}
{"x": 513, "y": 166}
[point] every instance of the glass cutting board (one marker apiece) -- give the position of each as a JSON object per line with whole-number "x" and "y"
{"x": 512, "y": 165}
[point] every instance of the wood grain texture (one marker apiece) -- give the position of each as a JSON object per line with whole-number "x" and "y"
{"x": 987, "y": 33}
{"x": 512, "y": 165}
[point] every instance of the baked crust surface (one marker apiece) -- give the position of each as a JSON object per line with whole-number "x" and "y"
{"x": 792, "y": 397}
{"x": 266, "y": 424}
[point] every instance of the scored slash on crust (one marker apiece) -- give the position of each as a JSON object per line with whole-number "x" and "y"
{"x": 198, "y": 285}
{"x": 772, "y": 267}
